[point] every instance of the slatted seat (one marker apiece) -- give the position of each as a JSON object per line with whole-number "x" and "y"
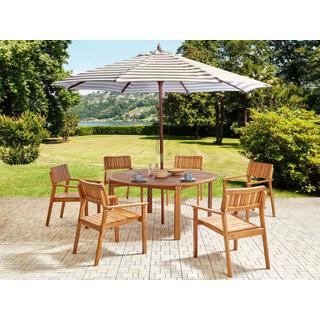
{"x": 229, "y": 225}
{"x": 60, "y": 178}
{"x": 234, "y": 224}
{"x": 257, "y": 173}
{"x": 120, "y": 216}
{"x": 113, "y": 215}
{"x": 68, "y": 195}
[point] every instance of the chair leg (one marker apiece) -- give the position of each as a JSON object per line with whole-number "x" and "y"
{"x": 76, "y": 240}
{"x": 167, "y": 197}
{"x": 235, "y": 244}
{"x": 144, "y": 235}
{"x": 266, "y": 250}
{"x": 228, "y": 257}
{"x": 116, "y": 234}
{"x": 195, "y": 237}
{"x": 49, "y": 212}
{"x": 99, "y": 247}
{"x": 201, "y": 192}
{"x": 273, "y": 205}
{"x": 86, "y": 213}
{"x": 198, "y": 195}
{"x": 127, "y": 195}
{"x": 248, "y": 215}
{"x": 63, "y": 204}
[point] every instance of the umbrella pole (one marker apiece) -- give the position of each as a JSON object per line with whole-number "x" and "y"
{"x": 160, "y": 85}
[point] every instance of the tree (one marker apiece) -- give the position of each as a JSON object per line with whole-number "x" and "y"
{"x": 69, "y": 124}
{"x": 298, "y": 63}
{"x": 193, "y": 110}
{"x": 28, "y": 69}
{"x": 250, "y": 58}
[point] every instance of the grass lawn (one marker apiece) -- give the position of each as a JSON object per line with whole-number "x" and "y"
{"x": 84, "y": 155}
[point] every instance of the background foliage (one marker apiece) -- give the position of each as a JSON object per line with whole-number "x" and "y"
{"x": 20, "y": 138}
{"x": 290, "y": 139}
{"x": 28, "y": 69}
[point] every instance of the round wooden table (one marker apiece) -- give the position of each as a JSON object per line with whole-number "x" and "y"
{"x": 172, "y": 182}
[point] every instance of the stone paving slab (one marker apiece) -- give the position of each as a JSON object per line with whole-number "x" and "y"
{"x": 29, "y": 250}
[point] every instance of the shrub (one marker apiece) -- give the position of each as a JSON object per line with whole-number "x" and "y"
{"x": 69, "y": 124}
{"x": 20, "y": 138}
{"x": 290, "y": 139}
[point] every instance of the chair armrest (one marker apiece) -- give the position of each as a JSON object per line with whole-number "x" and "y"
{"x": 66, "y": 185}
{"x": 216, "y": 211}
{"x": 256, "y": 182}
{"x": 96, "y": 181}
{"x": 234, "y": 178}
{"x": 118, "y": 206}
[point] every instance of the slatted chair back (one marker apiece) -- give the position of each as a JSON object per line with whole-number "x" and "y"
{"x": 59, "y": 174}
{"x": 93, "y": 192}
{"x": 188, "y": 162}
{"x": 260, "y": 170}
{"x": 243, "y": 199}
{"x": 117, "y": 162}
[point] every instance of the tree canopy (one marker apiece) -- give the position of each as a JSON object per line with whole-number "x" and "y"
{"x": 28, "y": 69}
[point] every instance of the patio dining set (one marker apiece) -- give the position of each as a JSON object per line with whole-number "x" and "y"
{"x": 187, "y": 173}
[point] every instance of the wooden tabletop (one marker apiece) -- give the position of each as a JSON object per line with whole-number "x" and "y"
{"x": 170, "y": 182}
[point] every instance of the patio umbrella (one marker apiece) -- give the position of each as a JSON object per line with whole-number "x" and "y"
{"x": 160, "y": 71}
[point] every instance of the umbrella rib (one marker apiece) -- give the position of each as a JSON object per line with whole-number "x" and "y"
{"x": 228, "y": 83}
{"x": 76, "y": 84}
{"x": 184, "y": 87}
{"x": 126, "y": 86}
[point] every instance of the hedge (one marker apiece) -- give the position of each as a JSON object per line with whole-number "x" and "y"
{"x": 142, "y": 130}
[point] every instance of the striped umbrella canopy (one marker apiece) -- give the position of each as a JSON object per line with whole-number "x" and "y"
{"x": 160, "y": 71}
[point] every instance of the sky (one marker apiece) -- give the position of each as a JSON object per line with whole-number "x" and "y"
{"x": 89, "y": 54}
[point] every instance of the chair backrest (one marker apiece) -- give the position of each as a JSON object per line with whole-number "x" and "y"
{"x": 243, "y": 199}
{"x": 59, "y": 174}
{"x": 260, "y": 170}
{"x": 93, "y": 192}
{"x": 117, "y": 162}
{"x": 188, "y": 162}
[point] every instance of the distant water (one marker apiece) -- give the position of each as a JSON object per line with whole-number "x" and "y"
{"x": 111, "y": 124}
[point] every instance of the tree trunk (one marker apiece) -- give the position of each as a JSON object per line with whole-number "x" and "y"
{"x": 219, "y": 121}
{"x": 245, "y": 116}
{"x": 196, "y": 133}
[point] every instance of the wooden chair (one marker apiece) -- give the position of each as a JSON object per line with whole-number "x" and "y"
{"x": 112, "y": 216}
{"x": 118, "y": 162}
{"x": 188, "y": 162}
{"x": 256, "y": 170}
{"x": 60, "y": 178}
{"x": 229, "y": 225}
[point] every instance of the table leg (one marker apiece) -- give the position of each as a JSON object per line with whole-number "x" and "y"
{"x": 149, "y": 197}
{"x": 162, "y": 206}
{"x": 177, "y": 212}
{"x": 210, "y": 195}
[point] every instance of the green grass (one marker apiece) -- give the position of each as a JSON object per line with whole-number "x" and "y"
{"x": 84, "y": 156}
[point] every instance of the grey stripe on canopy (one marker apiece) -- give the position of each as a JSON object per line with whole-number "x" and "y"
{"x": 143, "y": 72}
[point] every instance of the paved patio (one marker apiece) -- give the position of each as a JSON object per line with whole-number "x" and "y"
{"x": 29, "y": 250}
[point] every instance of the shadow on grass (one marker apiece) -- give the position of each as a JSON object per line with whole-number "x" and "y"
{"x": 52, "y": 141}
{"x": 167, "y": 138}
